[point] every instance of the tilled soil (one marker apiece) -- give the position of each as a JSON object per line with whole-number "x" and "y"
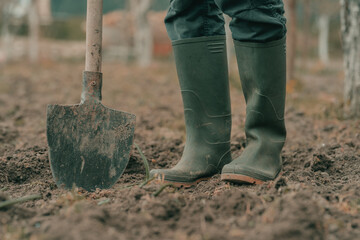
{"x": 317, "y": 195}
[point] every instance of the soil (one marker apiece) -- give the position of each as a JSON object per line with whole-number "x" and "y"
{"x": 317, "y": 195}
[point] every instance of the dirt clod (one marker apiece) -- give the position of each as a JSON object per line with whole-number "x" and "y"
{"x": 321, "y": 162}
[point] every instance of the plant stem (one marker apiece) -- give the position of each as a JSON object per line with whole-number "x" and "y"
{"x": 128, "y": 186}
{"x": 146, "y": 182}
{"x": 103, "y": 202}
{"x": 162, "y": 189}
{"x": 146, "y": 163}
{"x": 11, "y": 202}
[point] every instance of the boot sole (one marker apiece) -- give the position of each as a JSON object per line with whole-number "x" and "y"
{"x": 237, "y": 178}
{"x": 182, "y": 184}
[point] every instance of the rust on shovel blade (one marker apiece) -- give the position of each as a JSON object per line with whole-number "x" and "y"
{"x": 89, "y": 144}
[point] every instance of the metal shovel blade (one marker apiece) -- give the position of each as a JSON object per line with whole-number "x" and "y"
{"x": 89, "y": 143}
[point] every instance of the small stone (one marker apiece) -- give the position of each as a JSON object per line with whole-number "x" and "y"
{"x": 325, "y": 174}
{"x": 354, "y": 225}
{"x": 333, "y": 227}
{"x": 281, "y": 182}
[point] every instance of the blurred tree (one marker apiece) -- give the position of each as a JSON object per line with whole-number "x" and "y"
{"x": 66, "y": 8}
{"x": 44, "y": 8}
{"x": 323, "y": 44}
{"x": 143, "y": 44}
{"x": 326, "y": 8}
{"x": 291, "y": 37}
{"x": 350, "y": 22}
{"x": 305, "y": 19}
{"x": 160, "y": 5}
{"x": 34, "y": 31}
{"x": 5, "y": 33}
{"x": 306, "y": 30}
{"x": 12, "y": 14}
{"x": 18, "y": 13}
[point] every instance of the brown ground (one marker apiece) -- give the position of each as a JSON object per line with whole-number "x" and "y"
{"x": 316, "y": 197}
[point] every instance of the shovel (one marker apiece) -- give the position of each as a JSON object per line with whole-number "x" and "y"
{"x": 89, "y": 143}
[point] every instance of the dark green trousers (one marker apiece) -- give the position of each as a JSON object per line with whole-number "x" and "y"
{"x": 252, "y": 20}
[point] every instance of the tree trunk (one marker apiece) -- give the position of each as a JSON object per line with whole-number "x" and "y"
{"x": 143, "y": 39}
{"x": 307, "y": 33}
{"x": 44, "y": 7}
{"x": 6, "y": 37}
{"x": 34, "y": 30}
{"x": 324, "y": 38}
{"x": 7, "y": 40}
{"x": 350, "y": 22}
{"x": 291, "y": 39}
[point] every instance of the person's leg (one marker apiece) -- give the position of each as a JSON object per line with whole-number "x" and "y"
{"x": 191, "y": 19}
{"x": 197, "y": 31}
{"x": 257, "y": 21}
{"x": 258, "y": 29}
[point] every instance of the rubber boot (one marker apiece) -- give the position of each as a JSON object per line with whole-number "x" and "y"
{"x": 203, "y": 75}
{"x": 262, "y": 68}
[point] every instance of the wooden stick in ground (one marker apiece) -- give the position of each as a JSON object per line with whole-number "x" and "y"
{"x": 94, "y": 35}
{"x": 11, "y": 202}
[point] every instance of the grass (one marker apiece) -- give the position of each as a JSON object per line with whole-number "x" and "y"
{"x": 147, "y": 174}
{"x": 103, "y": 202}
{"x": 147, "y": 170}
{"x": 162, "y": 188}
{"x": 145, "y": 161}
{"x": 11, "y": 202}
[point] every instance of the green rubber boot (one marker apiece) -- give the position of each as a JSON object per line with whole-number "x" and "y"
{"x": 203, "y": 75}
{"x": 262, "y": 68}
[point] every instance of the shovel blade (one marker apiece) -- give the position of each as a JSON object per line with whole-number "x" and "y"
{"x": 89, "y": 144}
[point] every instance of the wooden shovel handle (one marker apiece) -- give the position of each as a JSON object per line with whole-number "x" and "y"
{"x": 94, "y": 35}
